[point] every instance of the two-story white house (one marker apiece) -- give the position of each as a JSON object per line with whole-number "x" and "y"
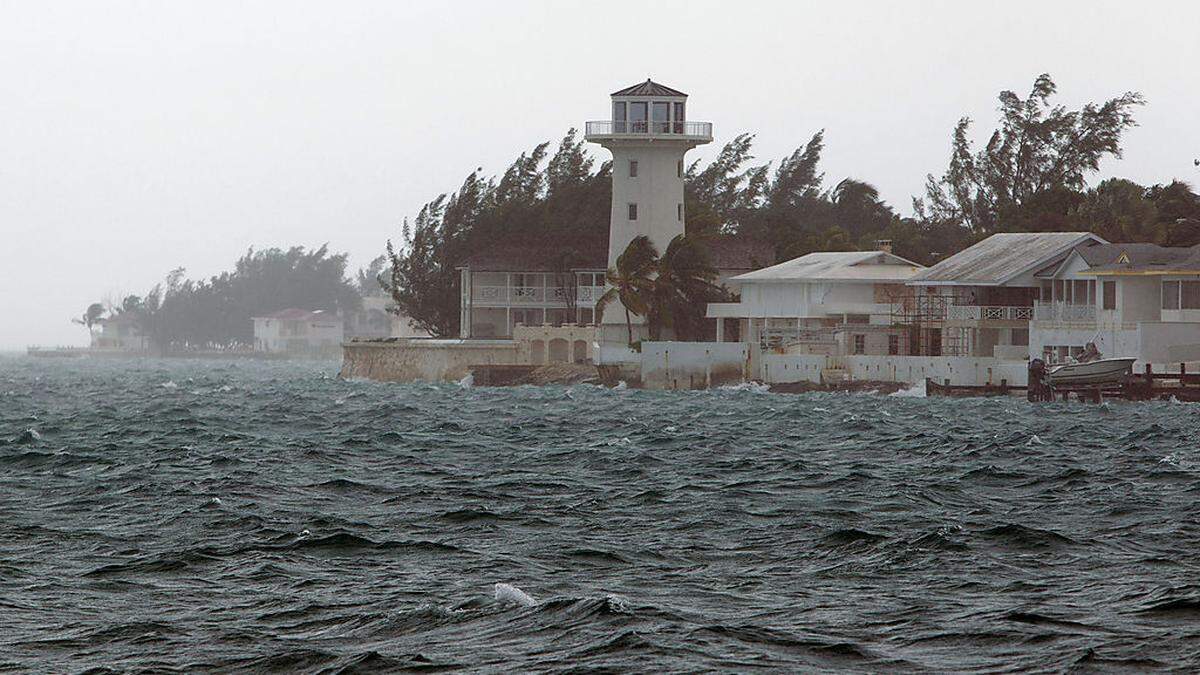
{"x": 833, "y": 303}
{"x": 529, "y": 286}
{"x": 980, "y": 301}
{"x": 1137, "y": 300}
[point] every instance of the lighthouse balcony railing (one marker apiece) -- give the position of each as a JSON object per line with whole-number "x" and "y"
{"x": 641, "y": 128}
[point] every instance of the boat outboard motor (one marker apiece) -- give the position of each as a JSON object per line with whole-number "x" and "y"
{"x": 1037, "y": 389}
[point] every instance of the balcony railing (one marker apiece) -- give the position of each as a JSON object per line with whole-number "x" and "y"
{"x": 1064, "y": 313}
{"x": 988, "y": 313}
{"x": 536, "y": 295}
{"x": 698, "y": 130}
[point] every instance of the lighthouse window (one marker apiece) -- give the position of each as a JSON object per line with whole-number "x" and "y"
{"x": 679, "y": 168}
{"x": 633, "y": 168}
{"x": 679, "y": 118}
{"x": 662, "y": 117}
{"x": 619, "y": 117}
{"x": 637, "y": 116}
{"x": 633, "y": 211}
{"x": 679, "y": 212}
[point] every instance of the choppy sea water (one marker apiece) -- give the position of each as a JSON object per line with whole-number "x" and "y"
{"x": 218, "y": 516}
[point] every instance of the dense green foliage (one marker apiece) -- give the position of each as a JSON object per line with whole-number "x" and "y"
{"x": 182, "y": 314}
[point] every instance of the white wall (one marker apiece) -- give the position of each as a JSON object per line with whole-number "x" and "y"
{"x": 693, "y": 365}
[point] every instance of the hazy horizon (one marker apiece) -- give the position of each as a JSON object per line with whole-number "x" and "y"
{"x": 143, "y": 137}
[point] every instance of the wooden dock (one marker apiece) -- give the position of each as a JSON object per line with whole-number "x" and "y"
{"x": 1144, "y": 386}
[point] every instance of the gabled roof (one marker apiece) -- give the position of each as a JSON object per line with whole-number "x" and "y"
{"x": 649, "y": 88}
{"x": 1141, "y": 258}
{"x": 1003, "y": 257}
{"x": 849, "y": 266}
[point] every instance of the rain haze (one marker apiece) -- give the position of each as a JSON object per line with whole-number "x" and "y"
{"x": 139, "y": 137}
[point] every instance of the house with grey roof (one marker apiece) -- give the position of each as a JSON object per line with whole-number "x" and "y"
{"x": 980, "y": 301}
{"x": 832, "y": 303}
{"x": 1131, "y": 300}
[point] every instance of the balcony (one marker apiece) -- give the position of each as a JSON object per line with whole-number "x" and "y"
{"x": 988, "y": 313}
{"x": 603, "y": 130}
{"x": 1060, "y": 312}
{"x": 522, "y": 296}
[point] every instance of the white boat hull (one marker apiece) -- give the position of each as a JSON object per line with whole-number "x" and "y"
{"x": 1103, "y": 371}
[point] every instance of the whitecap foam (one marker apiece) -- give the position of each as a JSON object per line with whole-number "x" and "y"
{"x": 1034, "y": 440}
{"x": 752, "y": 387}
{"x": 169, "y": 385}
{"x": 511, "y": 595}
{"x": 468, "y": 381}
{"x": 621, "y": 385}
{"x": 915, "y": 391}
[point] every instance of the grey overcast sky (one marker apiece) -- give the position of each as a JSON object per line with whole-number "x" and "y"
{"x": 136, "y": 137}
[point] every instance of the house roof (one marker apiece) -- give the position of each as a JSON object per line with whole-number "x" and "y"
{"x": 293, "y": 314}
{"x": 1003, "y": 257}
{"x": 739, "y": 254}
{"x": 849, "y": 266}
{"x": 1140, "y": 258}
{"x": 649, "y": 88}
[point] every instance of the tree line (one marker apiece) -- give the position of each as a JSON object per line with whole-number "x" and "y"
{"x": 1030, "y": 176}
{"x": 181, "y": 314}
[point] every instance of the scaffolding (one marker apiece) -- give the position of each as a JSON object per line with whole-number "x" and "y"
{"x": 926, "y": 318}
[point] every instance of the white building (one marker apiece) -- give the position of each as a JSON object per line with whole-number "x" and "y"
{"x": 529, "y": 286}
{"x": 648, "y": 135}
{"x": 298, "y": 332}
{"x": 831, "y": 303}
{"x": 120, "y": 332}
{"x": 377, "y": 319}
{"x": 979, "y": 301}
{"x": 1136, "y": 300}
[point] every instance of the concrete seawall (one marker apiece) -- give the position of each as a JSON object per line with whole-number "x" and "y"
{"x": 423, "y": 360}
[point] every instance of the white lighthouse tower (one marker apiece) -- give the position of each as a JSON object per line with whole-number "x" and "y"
{"x": 648, "y": 136}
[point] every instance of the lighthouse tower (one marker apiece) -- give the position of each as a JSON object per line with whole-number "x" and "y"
{"x": 648, "y": 136}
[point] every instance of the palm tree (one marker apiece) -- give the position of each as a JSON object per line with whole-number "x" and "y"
{"x": 631, "y": 281}
{"x": 684, "y": 285}
{"x": 91, "y": 317}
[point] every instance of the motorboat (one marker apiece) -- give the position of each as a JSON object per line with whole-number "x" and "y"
{"x": 1098, "y": 372}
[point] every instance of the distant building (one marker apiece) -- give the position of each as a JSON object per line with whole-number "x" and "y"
{"x": 377, "y": 320}
{"x": 979, "y": 301}
{"x": 1134, "y": 300}
{"x": 298, "y": 332}
{"x": 832, "y": 303}
{"x": 120, "y": 332}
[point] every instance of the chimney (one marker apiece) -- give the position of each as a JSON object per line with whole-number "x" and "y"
{"x": 884, "y": 245}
